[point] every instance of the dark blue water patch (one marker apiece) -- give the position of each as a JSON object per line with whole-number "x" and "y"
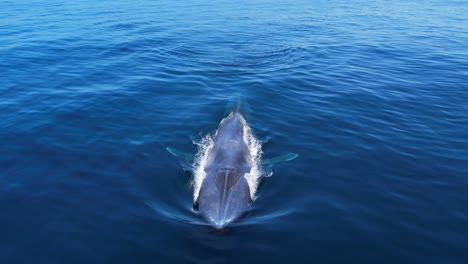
{"x": 372, "y": 96}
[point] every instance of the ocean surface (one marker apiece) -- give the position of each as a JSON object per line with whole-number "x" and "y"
{"x": 372, "y": 95}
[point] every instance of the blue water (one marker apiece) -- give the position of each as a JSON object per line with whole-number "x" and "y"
{"x": 373, "y": 95}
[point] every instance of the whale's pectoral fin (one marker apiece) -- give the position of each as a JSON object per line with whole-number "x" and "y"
{"x": 179, "y": 154}
{"x": 268, "y": 163}
{"x": 285, "y": 157}
{"x": 187, "y": 158}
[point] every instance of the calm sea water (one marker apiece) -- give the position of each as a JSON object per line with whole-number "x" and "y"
{"x": 373, "y": 95}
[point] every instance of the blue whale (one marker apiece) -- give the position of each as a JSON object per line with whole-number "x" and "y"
{"x": 230, "y": 172}
{"x": 225, "y": 193}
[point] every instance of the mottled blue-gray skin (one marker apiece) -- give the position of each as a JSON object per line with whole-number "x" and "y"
{"x": 224, "y": 193}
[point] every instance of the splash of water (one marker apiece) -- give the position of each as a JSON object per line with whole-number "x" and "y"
{"x": 205, "y": 145}
{"x": 204, "y": 148}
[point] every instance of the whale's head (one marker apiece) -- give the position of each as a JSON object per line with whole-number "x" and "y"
{"x": 224, "y": 196}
